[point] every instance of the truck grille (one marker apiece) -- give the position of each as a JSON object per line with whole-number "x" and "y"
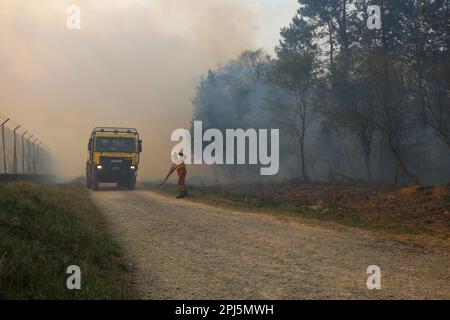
{"x": 109, "y": 162}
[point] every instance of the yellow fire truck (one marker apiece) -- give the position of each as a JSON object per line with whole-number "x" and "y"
{"x": 113, "y": 157}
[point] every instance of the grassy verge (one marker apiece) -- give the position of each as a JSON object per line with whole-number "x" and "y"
{"x": 328, "y": 212}
{"x": 45, "y": 229}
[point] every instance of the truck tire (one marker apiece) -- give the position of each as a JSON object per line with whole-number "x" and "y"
{"x": 88, "y": 178}
{"x": 95, "y": 182}
{"x": 88, "y": 181}
{"x": 132, "y": 182}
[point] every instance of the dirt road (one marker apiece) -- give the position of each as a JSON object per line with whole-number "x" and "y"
{"x": 184, "y": 250}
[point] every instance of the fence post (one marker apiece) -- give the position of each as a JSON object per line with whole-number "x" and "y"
{"x": 45, "y": 160}
{"x": 4, "y": 146}
{"x": 39, "y": 160}
{"x": 34, "y": 156}
{"x": 23, "y": 152}
{"x": 48, "y": 161}
{"x": 29, "y": 154}
{"x": 15, "y": 150}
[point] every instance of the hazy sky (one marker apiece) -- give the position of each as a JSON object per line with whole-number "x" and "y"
{"x": 133, "y": 63}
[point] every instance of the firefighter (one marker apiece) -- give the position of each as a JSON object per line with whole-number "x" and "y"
{"x": 179, "y": 166}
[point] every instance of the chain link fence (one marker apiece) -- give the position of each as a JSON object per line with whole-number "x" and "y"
{"x": 21, "y": 153}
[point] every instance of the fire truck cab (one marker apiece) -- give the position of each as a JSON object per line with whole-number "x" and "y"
{"x": 113, "y": 157}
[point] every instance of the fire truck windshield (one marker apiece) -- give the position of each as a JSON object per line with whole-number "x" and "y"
{"x": 115, "y": 144}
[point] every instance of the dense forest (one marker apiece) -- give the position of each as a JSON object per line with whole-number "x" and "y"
{"x": 352, "y": 103}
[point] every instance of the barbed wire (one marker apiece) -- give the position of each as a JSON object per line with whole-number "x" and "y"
{"x": 22, "y": 151}
{"x": 11, "y": 124}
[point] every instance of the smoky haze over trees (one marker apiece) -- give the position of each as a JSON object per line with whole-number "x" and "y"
{"x": 351, "y": 103}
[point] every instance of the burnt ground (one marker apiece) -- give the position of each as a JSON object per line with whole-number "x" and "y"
{"x": 410, "y": 209}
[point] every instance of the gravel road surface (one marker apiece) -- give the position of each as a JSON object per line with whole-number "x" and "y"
{"x": 185, "y": 250}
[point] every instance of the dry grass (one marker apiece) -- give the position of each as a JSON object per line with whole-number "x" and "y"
{"x": 45, "y": 229}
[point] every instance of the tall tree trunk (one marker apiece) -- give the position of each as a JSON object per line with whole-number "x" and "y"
{"x": 331, "y": 41}
{"x": 367, "y": 164}
{"x": 302, "y": 145}
{"x": 396, "y": 176}
{"x": 383, "y": 31}
{"x": 366, "y": 141}
{"x": 344, "y": 38}
{"x": 403, "y": 166}
{"x": 302, "y": 156}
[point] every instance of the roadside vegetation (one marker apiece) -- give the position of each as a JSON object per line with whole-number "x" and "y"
{"x": 402, "y": 210}
{"x": 45, "y": 229}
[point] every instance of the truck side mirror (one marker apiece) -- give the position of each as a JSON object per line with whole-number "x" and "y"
{"x": 140, "y": 146}
{"x": 90, "y": 145}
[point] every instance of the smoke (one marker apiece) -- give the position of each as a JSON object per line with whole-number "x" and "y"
{"x": 242, "y": 94}
{"x": 134, "y": 63}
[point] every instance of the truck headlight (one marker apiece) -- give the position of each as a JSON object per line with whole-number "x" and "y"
{"x": 133, "y": 168}
{"x": 99, "y": 167}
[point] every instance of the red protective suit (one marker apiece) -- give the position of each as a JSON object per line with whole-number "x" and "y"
{"x": 181, "y": 170}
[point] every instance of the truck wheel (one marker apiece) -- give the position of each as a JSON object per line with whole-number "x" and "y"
{"x": 132, "y": 182}
{"x": 88, "y": 178}
{"x": 95, "y": 183}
